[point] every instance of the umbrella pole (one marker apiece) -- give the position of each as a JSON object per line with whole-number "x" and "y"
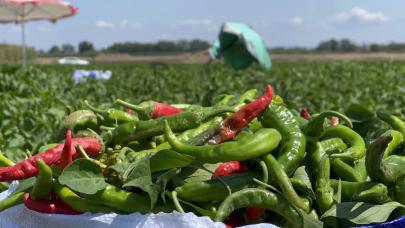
{"x": 24, "y": 51}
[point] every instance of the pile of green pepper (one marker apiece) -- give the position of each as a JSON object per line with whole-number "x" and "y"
{"x": 278, "y": 168}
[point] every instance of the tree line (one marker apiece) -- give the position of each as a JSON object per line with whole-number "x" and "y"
{"x": 165, "y": 46}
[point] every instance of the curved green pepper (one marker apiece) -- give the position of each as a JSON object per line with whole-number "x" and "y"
{"x": 254, "y": 197}
{"x": 77, "y": 120}
{"x": 121, "y": 200}
{"x": 281, "y": 178}
{"x": 293, "y": 141}
{"x": 357, "y": 147}
{"x": 386, "y": 170}
{"x": 399, "y": 190}
{"x": 12, "y": 201}
{"x": 78, "y": 203}
{"x": 112, "y": 116}
{"x": 185, "y": 120}
{"x": 395, "y": 122}
{"x": 215, "y": 189}
{"x": 44, "y": 183}
{"x": 367, "y": 191}
{"x": 247, "y": 147}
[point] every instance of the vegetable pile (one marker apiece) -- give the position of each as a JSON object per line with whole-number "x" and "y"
{"x": 243, "y": 160}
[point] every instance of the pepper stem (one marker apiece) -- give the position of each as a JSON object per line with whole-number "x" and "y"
{"x": 136, "y": 108}
{"x": 92, "y": 108}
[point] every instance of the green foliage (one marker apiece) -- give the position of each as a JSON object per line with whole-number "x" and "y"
{"x": 32, "y": 101}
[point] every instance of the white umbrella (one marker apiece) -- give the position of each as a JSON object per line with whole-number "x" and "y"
{"x": 22, "y": 11}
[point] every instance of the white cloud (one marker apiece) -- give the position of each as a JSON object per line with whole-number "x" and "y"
{"x": 360, "y": 15}
{"x": 297, "y": 20}
{"x": 105, "y": 24}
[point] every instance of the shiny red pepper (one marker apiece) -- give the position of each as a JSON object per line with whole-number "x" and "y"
{"x": 161, "y": 109}
{"x": 52, "y": 206}
{"x": 305, "y": 114}
{"x": 67, "y": 152}
{"x": 228, "y": 168}
{"x": 28, "y": 168}
{"x": 240, "y": 119}
{"x": 234, "y": 167}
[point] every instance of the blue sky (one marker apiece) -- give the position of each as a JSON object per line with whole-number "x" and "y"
{"x": 280, "y": 23}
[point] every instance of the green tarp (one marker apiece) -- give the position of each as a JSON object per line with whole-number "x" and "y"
{"x": 240, "y": 46}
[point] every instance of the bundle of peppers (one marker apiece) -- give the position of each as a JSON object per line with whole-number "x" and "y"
{"x": 244, "y": 160}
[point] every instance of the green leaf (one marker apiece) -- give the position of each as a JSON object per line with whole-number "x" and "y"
{"x": 138, "y": 175}
{"x": 163, "y": 179}
{"x": 301, "y": 174}
{"x": 167, "y": 159}
{"x": 83, "y": 176}
{"x": 361, "y": 213}
{"x": 309, "y": 221}
{"x": 24, "y": 185}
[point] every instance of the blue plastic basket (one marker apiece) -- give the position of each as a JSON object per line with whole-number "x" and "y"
{"x": 399, "y": 222}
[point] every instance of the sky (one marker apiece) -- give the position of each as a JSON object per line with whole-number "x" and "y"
{"x": 280, "y": 23}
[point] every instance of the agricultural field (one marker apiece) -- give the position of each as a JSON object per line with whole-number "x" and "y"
{"x": 33, "y": 101}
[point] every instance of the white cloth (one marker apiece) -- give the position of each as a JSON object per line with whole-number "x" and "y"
{"x": 21, "y": 217}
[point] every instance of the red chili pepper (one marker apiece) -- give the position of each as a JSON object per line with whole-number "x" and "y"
{"x": 129, "y": 111}
{"x": 234, "y": 220}
{"x": 230, "y": 167}
{"x": 240, "y": 119}
{"x": 67, "y": 152}
{"x": 28, "y": 168}
{"x": 305, "y": 114}
{"x": 334, "y": 121}
{"x": 254, "y": 213}
{"x": 233, "y": 167}
{"x": 161, "y": 109}
{"x": 53, "y": 206}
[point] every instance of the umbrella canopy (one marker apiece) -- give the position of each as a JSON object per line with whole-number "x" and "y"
{"x": 240, "y": 46}
{"x": 22, "y": 11}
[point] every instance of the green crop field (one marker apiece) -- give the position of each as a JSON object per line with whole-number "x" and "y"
{"x": 33, "y": 101}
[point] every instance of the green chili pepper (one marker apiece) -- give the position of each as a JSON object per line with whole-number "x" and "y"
{"x": 320, "y": 166}
{"x": 247, "y": 147}
{"x": 112, "y": 116}
{"x": 281, "y": 178}
{"x": 397, "y": 139}
{"x": 386, "y": 170}
{"x": 348, "y": 173}
{"x": 224, "y": 99}
{"x": 44, "y": 183}
{"x": 254, "y": 197}
{"x": 121, "y": 200}
{"x": 78, "y": 203}
{"x": 293, "y": 141}
{"x": 395, "y": 122}
{"x": 185, "y": 120}
{"x": 4, "y": 161}
{"x": 215, "y": 189}
{"x": 77, "y": 120}
{"x": 399, "y": 190}
{"x": 357, "y": 147}
{"x": 366, "y": 191}
{"x": 12, "y": 201}
{"x": 317, "y": 124}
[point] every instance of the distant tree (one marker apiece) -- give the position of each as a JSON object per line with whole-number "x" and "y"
{"x": 67, "y": 48}
{"x": 329, "y": 45}
{"x": 374, "y": 47}
{"x": 346, "y": 45}
{"x": 85, "y": 47}
{"x": 54, "y": 50}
